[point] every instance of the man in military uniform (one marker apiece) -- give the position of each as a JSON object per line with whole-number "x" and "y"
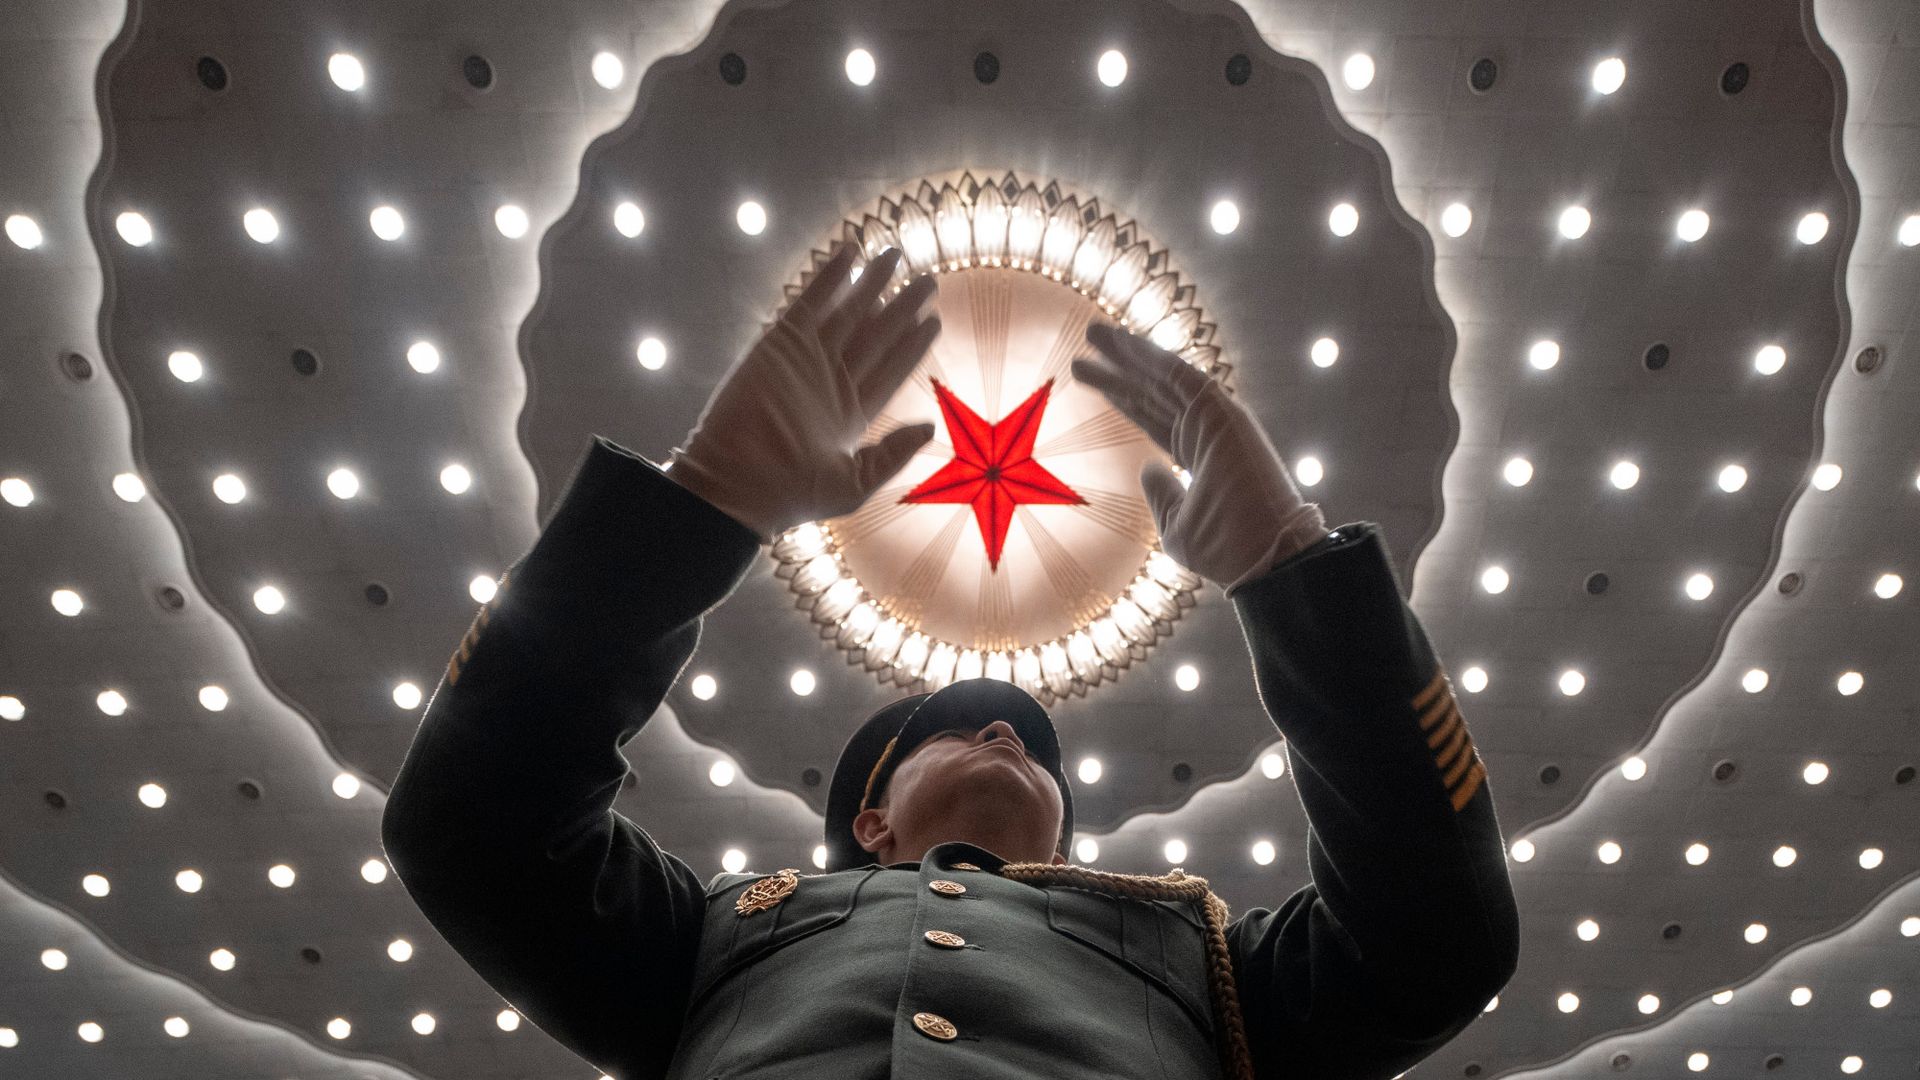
{"x": 950, "y": 936}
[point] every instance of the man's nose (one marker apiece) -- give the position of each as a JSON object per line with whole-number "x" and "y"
{"x": 1000, "y": 729}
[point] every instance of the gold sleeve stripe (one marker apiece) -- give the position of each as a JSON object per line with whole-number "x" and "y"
{"x": 1445, "y": 758}
{"x": 1446, "y": 729}
{"x": 1467, "y": 758}
{"x": 1435, "y": 691}
{"x": 1464, "y": 793}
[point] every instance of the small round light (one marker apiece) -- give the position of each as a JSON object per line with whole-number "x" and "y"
{"x": 1816, "y": 772}
{"x": 1721, "y": 997}
{"x": 1770, "y": 359}
{"x": 260, "y": 225}
{"x": 1649, "y": 1004}
{"x": 1309, "y": 472}
{"x": 1544, "y": 354}
{"x": 733, "y": 860}
{"x": 91, "y": 1032}
{"x": 1568, "y": 1002}
{"x": 1697, "y": 854}
{"x": 176, "y": 1026}
{"x": 221, "y": 959}
{"x": 1609, "y": 75}
{"x": 1887, "y": 586}
{"x": 1324, "y": 352}
{"x": 423, "y": 357}
{"x": 628, "y": 219}
{"x": 1699, "y": 586}
{"x": 1826, "y": 476}
{"x": 53, "y": 959}
{"x": 345, "y": 71}
{"x": 1090, "y": 770}
{"x": 1272, "y": 766}
{"x": 269, "y": 600}
{"x": 1358, "y": 71}
{"x": 131, "y": 489}
{"x": 67, "y": 602}
{"x": 860, "y": 67}
{"x": 1633, "y": 768}
{"x": 1522, "y": 851}
{"x": 1186, "y": 677}
{"x": 652, "y": 353}
{"x": 1263, "y": 852}
{"x": 16, "y": 492}
{"x": 1732, "y": 478}
{"x": 1755, "y": 933}
{"x": 1176, "y": 851}
{"x": 1494, "y": 579}
{"x": 185, "y": 366}
{"x": 721, "y": 773}
{"x": 111, "y": 702}
{"x": 339, "y": 1028}
{"x": 704, "y": 687}
{"x": 1517, "y": 472}
{"x": 422, "y": 1023}
{"x": 820, "y": 856}
{"x": 751, "y": 217}
{"x": 96, "y": 885}
{"x": 1909, "y": 234}
{"x": 1871, "y": 858}
{"x": 1624, "y": 475}
{"x": 281, "y": 875}
{"x": 1456, "y": 219}
{"x": 134, "y": 229}
{"x": 400, "y": 950}
{"x": 1697, "y": 1062}
{"x": 1474, "y": 679}
{"x": 1112, "y": 68}
{"x": 1692, "y": 226}
{"x": 407, "y": 695}
{"x": 188, "y": 881}
{"x": 1608, "y": 852}
{"x": 1571, "y": 683}
{"x": 1087, "y": 849}
{"x": 1880, "y": 999}
{"x": 507, "y": 1020}
{"x": 1812, "y": 228}
{"x": 1783, "y": 856}
{"x": 1343, "y": 220}
{"x": 511, "y": 220}
{"x": 1574, "y": 222}
{"x": 229, "y": 489}
{"x": 483, "y": 588}
{"x": 346, "y": 785}
{"x": 607, "y": 70}
{"x": 387, "y": 223}
{"x": 25, "y": 232}
{"x": 1225, "y": 217}
{"x": 1587, "y": 930}
{"x": 1754, "y": 681}
{"x": 801, "y": 682}
{"x": 456, "y": 479}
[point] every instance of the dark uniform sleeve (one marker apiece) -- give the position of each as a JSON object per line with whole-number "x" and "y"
{"x": 1409, "y": 926}
{"x": 500, "y": 823}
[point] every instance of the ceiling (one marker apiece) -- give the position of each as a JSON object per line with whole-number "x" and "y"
{"x": 306, "y": 367}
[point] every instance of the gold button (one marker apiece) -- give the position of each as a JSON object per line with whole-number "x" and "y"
{"x": 935, "y": 1026}
{"x": 943, "y": 938}
{"x": 964, "y": 866}
{"x": 951, "y": 888}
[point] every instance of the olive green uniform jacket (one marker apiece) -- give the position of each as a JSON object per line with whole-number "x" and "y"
{"x": 500, "y": 825}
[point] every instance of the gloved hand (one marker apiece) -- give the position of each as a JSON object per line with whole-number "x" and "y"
{"x": 775, "y": 446}
{"x": 1242, "y": 515}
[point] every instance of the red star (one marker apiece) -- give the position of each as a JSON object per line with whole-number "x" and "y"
{"x": 993, "y": 466}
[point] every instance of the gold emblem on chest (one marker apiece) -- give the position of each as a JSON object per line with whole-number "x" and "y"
{"x": 767, "y": 892}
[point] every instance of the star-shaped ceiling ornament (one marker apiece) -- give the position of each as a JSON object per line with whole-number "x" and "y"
{"x": 992, "y": 466}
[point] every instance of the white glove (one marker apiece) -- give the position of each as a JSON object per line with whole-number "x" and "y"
{"x": 775, "y": 446}
{"x": 1243, "y": 514}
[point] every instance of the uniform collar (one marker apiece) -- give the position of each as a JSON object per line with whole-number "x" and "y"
{"x": 944, "y": 856}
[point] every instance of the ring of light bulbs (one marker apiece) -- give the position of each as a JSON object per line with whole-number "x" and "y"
{"x": 1066, "y": 238}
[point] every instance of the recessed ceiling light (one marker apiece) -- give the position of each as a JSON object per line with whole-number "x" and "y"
{"x": 1176, "y": 851}
{"x": 1755, "y": 934}
{"x": 423, "y": 357}
{"x": 1089, "y": 770}
{"x": 1343, "y": 220}
{"x": 483, "y": 588}
{"x": 1324, "y": 352}
{"x": 1850, "y": 683}
{"x": 751, "y": 217}
{"x": 860, "y": 67}
{"x": 1494, "y": 579}
{"x": 407, "y": 695}
{"x": 1699, "y": 586}
{"x": 1649, "y": 1004}
{"x": 1909, "y": 234}
{"x": 1087, "y": 849}
{"x": 628, "y": 219}
{"x": 1692, "y": 225}
{"x": 1815, "y": 772}
{"x": 23, "y": 231}
{"x": 1827, "y": 476}
{"x": 1574, "y": 222}
{"x": 1783, "y": 856}
{"x": 1225, "y": 217}
{"x": 1697, "y": 854}
{"x": 134, "y": 229}
{"x": 511, "y": 221}
{"x": 260, "y": 225}
{"x": 1624, "y": 475}
{"x": 704, "y": 687}
{"x": 1358, "y": 71}
{"x": 1309, "y": 472}
{"x": 608, "y": 70}
{"x": 1112, "y": 67}
{"x": 1186, "y": 677}
{"x": 1568, "y": 1002}
{"x": 1887, "y": 586}
{"x": 1517, "y": 471}
{"x": 1608, "y": 852}
{"x": 1272, "y": 765}
{"x": 1812, "y": 228}
{"x": 1733, "y": 478}
{"x": 1754, "y": 681}
{"x": 652, "y": 353}
{"x": 345, "y": 71}
{"x": 456, "y": 479}
{"x": 1456, "y": 219}
{"x": 269, "y": 600}
{"x": 1609, "y": 74}
{"x": 721, "y": 773}
{"x": 1522, "y": 851}
{"x": 387, "y": 223}
{"x": 1770, "y": 359}
{"x": 1474, "y": 679}
{"x": 801, "y": 682}
{"x": 1544, "y": 354}
{"x": 1262, "y": 852}
{"x": 215, "y": 699}
{"x": 185, "y": 366}
{"x": 1587, "y": 930}
{"x": 229, "y": 489}
{"x": 1571, "y": 683}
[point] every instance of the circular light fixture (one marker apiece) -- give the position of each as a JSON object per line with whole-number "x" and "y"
{"x": 1812, "y": 228}
{"x": 1609, "y": 75}
{"x": 1055, "y": 596}
{"x": 1692, "y": 225}
{"x": 1456, "y": 219}
{"x": 860, "y": 67}
{"x": 1358, "y": 71}
{"x": 751, "y": 217}
{"x": 1343, "y": 220}
{"x": 1574, "y": 222}
{"x": 345, "y": 71}
{"x": 1112, "y": 67}
{"x": 608, "y": 70}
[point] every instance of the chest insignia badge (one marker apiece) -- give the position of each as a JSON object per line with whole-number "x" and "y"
{"x": 767, "y": 892}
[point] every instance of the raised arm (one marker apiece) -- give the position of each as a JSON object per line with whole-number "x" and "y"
{"x": 501, "y": 825}
{"x": 1409, "y": 926}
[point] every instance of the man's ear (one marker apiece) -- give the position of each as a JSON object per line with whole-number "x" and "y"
{"x": 870, "y": 829}
{"x": 1059, "y": 859}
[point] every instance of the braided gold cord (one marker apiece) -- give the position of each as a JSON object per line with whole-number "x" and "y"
{"x": 1177, "y": 884}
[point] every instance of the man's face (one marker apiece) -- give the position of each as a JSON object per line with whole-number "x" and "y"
{"x": 975, "y": 785}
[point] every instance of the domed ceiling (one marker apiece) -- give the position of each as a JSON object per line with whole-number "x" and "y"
{"x": 1600, "y": 311}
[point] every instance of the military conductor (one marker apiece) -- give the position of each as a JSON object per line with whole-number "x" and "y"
{"x": 951, "y": 937}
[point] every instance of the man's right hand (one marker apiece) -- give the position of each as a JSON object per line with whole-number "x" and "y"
{"x": 776, "y": 444}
